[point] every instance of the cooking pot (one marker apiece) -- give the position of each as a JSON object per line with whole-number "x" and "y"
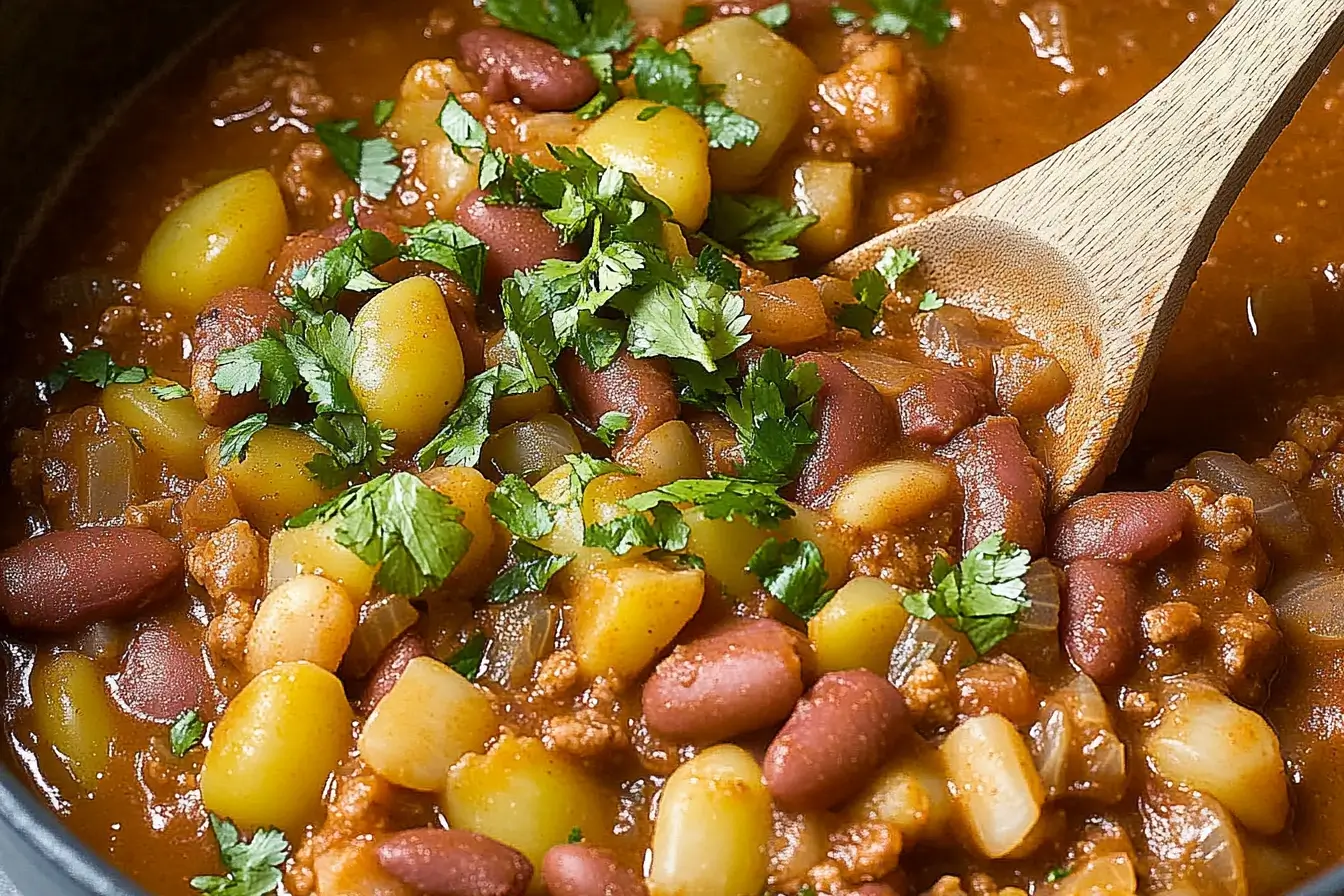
{"x": 66, "y": 69}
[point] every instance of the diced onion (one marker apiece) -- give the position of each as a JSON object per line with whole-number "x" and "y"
{"x": 1310, "y": 606}
{"x": 1193, "y": 842}
{"x": 1042, "y": 589}
{"x": 384, "y": 621}
{"x": 1277, "y": 516}
{"x": 531, "y": 448}
{"x": 521, "y": 635}
{"x": 920, "y": 640}
{"x": 1075, "y": 745}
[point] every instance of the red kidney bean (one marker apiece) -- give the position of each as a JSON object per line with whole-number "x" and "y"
{"x": 940, "y": 404}
{"x": 396, "y": 657}
{"x": 1121, "y": 526}
{"x": 516, "y": 65}
{"x": 234, "y": 317}
{"x": 839, "y": 734}
{"x": 575, "y": 870}
{"x": 741, "y": 677}
{"x": 369, "y": 219}
{"x": 855, "y": 426}
{"x": 63, "y": 580}
{"x": 162, "y": 675}
{"x": 440, "y": 862}
{"x": 517, "y": 237}
{"x": 1003, "y": 483}
{"x": 1099, "y": 619}
{"x": 641, "y": 388}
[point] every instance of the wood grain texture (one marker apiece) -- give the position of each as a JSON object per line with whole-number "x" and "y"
{"x": 1092, "y": 250}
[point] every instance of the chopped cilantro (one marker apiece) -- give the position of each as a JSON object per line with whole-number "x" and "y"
{"x": 449, "y": 245}
{"x": 252, "y": 868}
{"x": 575, "y": 835}
{"x": 1056, "y": 874}
{"x": 757, "y": 502}
{"x": 712, "y": 263}
{"x": 523, "y": 512}
{"x": 931, "y": 301}
{"x": 95, "y": 366}
{"x": 707, "y": 389}
{"x": 584, "y": 468}
{"x": 981, "y": 596}
{"x": 872, "y": 286}
{"x": 371, "y": 164}
{"x": 264, "y": 364}
{"x": 672, "y": 78}
{"x": 794, "y": 573}
{"x": 170, "y": 391}
{"x": 395, "y": 522}
{"x": 461, "y": 127}
{"x": 233, "y": 443}
{"x": 355, "y": 446}
{"x": 574, "y": 27}
{"x": 610, "y": 425}
{"x": 929, "y": 17}
{"x": 466, "y": 660}
{"x": 460, "y": 439}
{"x": 663, "y": 528}
{"x": 756, "y": 226}
{"x": 186, "y": 732}
{"x": 323, "y": 349}
{"x": 529, "y": 569}
{"x": 382, "y": 111}
{"x": 773, "y": 417}
{"x": 348, "y": 266}
{"x": 774, "y": 17}
{"x": 604, "y": 68}
{"x": 694, "y": 16}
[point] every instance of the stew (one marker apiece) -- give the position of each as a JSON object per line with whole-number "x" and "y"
{"x": 439, "y": 468}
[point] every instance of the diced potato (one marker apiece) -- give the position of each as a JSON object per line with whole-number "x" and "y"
{"x": 892, "y": 494}
{"x": 429, "y": 720}
{"x": 832, "y": 191}
{"x": 623, "y": 615}
{"x": 272, "y": 483}
{"x": 910, "y": 793}
{"x": 603, "y": 499}
{"x": 407, "y": 372}
{"x": 524, "y": 795}
{"x": 313, "y": 550}
{"x": 271, "y": 753}
{"x": 171, "y": 430}
{"x": 858, "y": 627}
{"x": 72, "y": 714}
{"x": 994, "y": 784}
{"x": 1111, "y": 874}
{"x": 447, "y": 176}
{"x": 767, "y": 79}
{"x": 712, "y": 829}
{"x": 354, "y": 870}
{"x": 425, "y": 86}
{"x": 809, "y": 525}
{"x": 224, "y": 236}
{"x": 469, "y": 491}
{"x": 787, "y": 314}
{"x": 307, "y": 618}
{"x": 668, "y": 154}
{"x": 567, "y": 535}
{"x": 667, "y": 454}
{"x": 512, "y": 408}
{"x": 1205, "y": 741}
{"x": 798, "y": 845}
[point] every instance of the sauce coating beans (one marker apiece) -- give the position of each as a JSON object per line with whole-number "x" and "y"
{"x": 455, "y": 863}
{"x": 515, "y": 65}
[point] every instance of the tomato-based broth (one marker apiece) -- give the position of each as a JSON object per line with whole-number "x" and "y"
{"x": 439, "y": 468}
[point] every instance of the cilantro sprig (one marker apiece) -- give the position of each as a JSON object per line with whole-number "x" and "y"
{"x": 662, "y": 527}
{"x": 516, "y": 504}
{"x": 467, "y": 659}
{"x": 759, "y": 227}
{"x": 672, "y": 78}
{"x": 794, "y": 573}
{"x": 252, "y": 867}
{"x": 185, "y": 732}
{"x": 459, "y": 441}
{"x": 929, "y": 17}
{"x": 94, "y": 366}
{"x": 395, "y": 522}
{"x": 981, "y": 596}
{"x": 758, "y": 503}
{"x": 773, "y": 416}
{"x": 370, "y": 163}
{"x": 872, "y": 286}
{"x": 529, "y": 569}
{"x": 574, "y": 28}
{"x": 356, "y": 448}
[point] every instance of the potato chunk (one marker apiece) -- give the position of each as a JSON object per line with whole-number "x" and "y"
{"x": 858, "y": 627}
{"x": 994, "y": 784}
{"x": 622, "y": 616}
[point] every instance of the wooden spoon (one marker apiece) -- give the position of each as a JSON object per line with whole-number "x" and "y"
{"x": 1091, "y": 251}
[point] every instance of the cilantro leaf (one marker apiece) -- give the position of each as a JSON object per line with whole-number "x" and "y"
{"x": 720, "y": 499}
{"x": 529, "y": 569}
{"x": 186, "y": 732}
{"x": 449, "y": 245}
{"x": 707, "y": 389}
{"x": 252, "y": 868}
{"x": 523, "y": 512}
{"x": 756, "y": 226}
{"x": 323, "y": 349}
{"x": 413, "y": 534}
{"x": 575, "y": 835}
{"x": 460, "y": 439}
{"x": 461, "y": 127}
{"x": 233, "y": 443}
{"x": 356, "y": 447}
{"x": 981, "y": 596}
{"x": 1057, "y": 873}
{"x": 610, "y": 425}
{"x": 774, "y": 17}
{"x": 574, "y": 28}
{"x": 929, "y": 17}
{"x": 794, "y": 573}
{"x": 95, "y": 366}
{"x": 382, "y": 112}
{"x": 347, "y": 266}
{"x": 584, "y": 468}
{"x": 662, "y": 528}
{"x": 672, "y": 77}
{"x": 872, "y": 286}
{"x": 773, "y": 417}
{"x": 604, "y": 68}
{"x": 930, "y": 301}
{"x": 264, "y": 364}
{"x": 466, "y": 660}
{"x": 170, "y": 391}
{"x": 371, "y": 164}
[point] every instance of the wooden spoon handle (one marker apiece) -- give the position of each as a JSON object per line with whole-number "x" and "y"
{"x": 1150, "y": 189}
